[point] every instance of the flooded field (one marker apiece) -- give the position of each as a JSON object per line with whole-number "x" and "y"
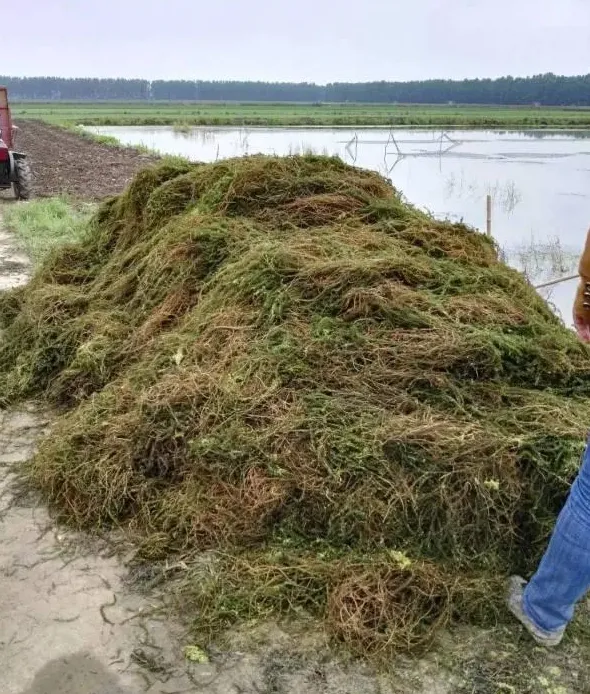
{"x": 539, "y": 181}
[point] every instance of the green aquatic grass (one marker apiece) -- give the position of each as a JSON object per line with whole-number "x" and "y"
{"x": 45, "y": 224}
{"x": 360, "y": 411}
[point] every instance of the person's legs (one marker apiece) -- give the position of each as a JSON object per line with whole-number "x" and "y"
{"x": 563, "y": 576}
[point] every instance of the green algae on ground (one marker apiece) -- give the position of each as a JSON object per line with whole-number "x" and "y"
{"x": 363, "y": 411}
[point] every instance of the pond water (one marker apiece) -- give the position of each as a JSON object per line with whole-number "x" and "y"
{"x": 539, "y": 181}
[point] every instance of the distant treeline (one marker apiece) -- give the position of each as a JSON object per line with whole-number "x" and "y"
{"x": 546, "y": 90}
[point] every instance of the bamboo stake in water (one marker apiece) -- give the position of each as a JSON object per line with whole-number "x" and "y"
{"x": 489, "y": 215}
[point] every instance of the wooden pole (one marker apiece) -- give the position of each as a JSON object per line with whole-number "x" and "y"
{"x": 558, "y": 281}
{"x": 489, "y": 215}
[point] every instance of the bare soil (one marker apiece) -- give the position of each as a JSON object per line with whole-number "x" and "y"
{"x": 66, "y": 163}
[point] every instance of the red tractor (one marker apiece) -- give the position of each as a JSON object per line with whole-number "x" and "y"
{"x": 15, "y": 171}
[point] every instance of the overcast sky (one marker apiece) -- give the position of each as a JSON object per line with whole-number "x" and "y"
{"x": 298, "y": 40}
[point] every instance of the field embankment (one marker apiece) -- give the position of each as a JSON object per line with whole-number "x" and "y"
{"x": 268, "y": 114}
{"x": 65, "y": 163}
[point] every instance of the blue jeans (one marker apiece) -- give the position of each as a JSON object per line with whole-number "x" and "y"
{"x": 563, "y": 576}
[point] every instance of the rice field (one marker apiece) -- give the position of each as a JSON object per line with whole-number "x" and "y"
{"x": 283, "y": 114}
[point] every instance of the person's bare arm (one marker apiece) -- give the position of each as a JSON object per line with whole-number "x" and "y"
{"x": 582, "y": 300}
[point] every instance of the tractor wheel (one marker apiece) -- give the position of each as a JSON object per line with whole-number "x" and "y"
{"x": 23, "y": 188}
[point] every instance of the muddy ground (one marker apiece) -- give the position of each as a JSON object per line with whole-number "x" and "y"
{"x": 64, "y": 163}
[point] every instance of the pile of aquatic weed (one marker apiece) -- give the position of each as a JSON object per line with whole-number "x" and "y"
{"x": 363, "y": 412}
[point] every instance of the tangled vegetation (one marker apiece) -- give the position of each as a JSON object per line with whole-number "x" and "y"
{"x": 364, "y": 412}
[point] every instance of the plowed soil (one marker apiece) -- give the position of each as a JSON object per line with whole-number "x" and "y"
{"x": 65, "y": 163}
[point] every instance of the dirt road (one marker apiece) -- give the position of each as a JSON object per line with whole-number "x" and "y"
{"x": 64, "y": 163}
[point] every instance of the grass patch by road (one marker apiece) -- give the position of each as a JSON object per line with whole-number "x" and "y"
{"x": 45, "y": 224}
{"x": 184, "y": 115}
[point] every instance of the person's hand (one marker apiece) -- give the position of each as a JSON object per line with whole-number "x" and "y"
{"x": 582, "y": 312}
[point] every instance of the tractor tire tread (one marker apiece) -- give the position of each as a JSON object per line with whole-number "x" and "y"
{"x": 23, "y": 188}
